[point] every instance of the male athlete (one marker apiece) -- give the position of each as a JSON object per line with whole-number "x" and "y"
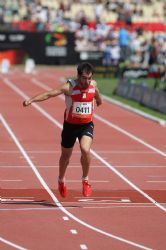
{"x": 78, "y": 121}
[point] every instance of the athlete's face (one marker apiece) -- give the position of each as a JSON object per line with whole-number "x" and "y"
{"x": 84, "y": 80}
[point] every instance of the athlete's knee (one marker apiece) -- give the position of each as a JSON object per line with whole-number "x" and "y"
{"x": 85, "y": 151}
{"x": 64, "y": 157}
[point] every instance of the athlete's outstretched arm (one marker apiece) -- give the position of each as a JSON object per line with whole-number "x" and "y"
{"x": 64, "y": 89}
{"x": 98, "y": 97}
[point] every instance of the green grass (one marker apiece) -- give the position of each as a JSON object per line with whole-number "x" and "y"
{"x": 107, "y": 86}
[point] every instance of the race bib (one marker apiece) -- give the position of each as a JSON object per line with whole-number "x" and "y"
{"x": 82, "y": 109}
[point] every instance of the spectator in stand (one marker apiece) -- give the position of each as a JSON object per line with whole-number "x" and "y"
{"x": 111, "y": 53}
{"x": 81, "y": 18}
{"x": 99, "y": 7}
{"x": 153, "y": 51}
{"x": 124, "y": 39}
{"x": 136, "y": 59}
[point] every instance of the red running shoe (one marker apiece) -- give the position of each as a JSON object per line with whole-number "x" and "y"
{"x": 87, "y": 190}
{"x": 62, "y": 189}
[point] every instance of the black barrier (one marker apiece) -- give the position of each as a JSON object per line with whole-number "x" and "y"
{"x": 146, "y": 96}
{"x": 48, "y": 47}
{"x": 154, "y": 99}
{"x": 162, "y": 102}
{"x": 138, "y": 92}
{"x": 51, "y": 48}
{"x": 12, "y": 40}
{"x": 43, "y": 47}
{"x": 122, "y": 88}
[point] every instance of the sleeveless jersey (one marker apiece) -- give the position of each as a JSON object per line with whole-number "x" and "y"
{"x": 79, "y": 104}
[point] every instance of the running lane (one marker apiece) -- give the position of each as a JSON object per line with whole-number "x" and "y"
{"x": 125, "y": 207}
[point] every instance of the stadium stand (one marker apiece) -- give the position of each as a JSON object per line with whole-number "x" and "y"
{"x": 98, "y": 26}
{"x": 47, "y": 11}
{"x": 121, "y": 38}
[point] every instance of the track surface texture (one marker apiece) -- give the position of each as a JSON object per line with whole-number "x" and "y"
{"x": 127, "y": 209}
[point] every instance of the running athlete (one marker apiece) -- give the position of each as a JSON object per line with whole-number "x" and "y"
{"x": 78, "y": 121}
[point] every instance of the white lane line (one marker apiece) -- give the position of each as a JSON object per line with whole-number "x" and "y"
{"x": 110, "y": 124}
{"x": 110, "y": 205}
{"x": 157, "y": 181}
{"x": 53, "y": 166}
{"x": 97, "y": 156}
{"x": 125, "y": 200}
{"x": 142, "y": 166}
{"x": 65, "y": 218}
{"x": 157, "y": 176}
{"x": 73, "y": 231}
{"x": 101, "y": 197}
{"x": 137, "y": 111}
{"x": 11, "y": 180}
{"x": 32, "y": 151}
{"x": 78, "y": 166}
{"x": 12, "y": 244}
{"x": 93, "y": 181}
{"x": 83, "y": 247}
{"x": 78, "y": 152}
{"x": 29, "y": 209}
{"x": 128, "y": 181}
{"x": 44, "y": 184}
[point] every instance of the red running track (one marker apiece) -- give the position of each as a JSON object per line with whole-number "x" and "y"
{"x": 128, "y": 174}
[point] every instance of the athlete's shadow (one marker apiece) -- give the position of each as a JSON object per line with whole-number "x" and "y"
{"x": 35, "y": 197}
{"x": 35, "y": 203}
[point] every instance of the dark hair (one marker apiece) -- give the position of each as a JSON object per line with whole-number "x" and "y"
{"x": 85, "y": 67}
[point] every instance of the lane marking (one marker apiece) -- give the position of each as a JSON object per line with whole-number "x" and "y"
{"x": 78, "y": 152}
{"x": 157, "y": 176}
{"x": 129, "y": 182}
{"x": 54, "y": 198}
{"x": 102, "y": 202}
{"x": 10, "y": 180}
{"x": 65, "y": 218}
{"x": 73, "y": 231}
{"x": 111, "y": 205}
{"x": 53, "y": 166}
{"x": 83, "y": 247}
{"x": 162, "y": 122}
{"x": 93, "y": 181}
{"x": 125, "y": 200}
{"x": 12, "y": 244}
{"x": 22, "y": 199}
{"x": 83, "y": 200}
{"x": 142, "y": 166}
{"x": 157, "y": 181}
{"x": 103, "y": 197}
{"x": 28, "y": 209}
{"x": 110, "y": 124}
{"x": 78, "y": 166}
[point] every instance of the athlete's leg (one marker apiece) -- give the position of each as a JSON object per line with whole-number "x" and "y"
{"x": 85, "y": 145}
{"x": 68, "y": 139}
{"x": 64, "y": 161}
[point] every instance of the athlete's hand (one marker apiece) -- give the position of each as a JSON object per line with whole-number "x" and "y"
{"x": 26, "y": 103}
{"x": 98, "y": 102}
